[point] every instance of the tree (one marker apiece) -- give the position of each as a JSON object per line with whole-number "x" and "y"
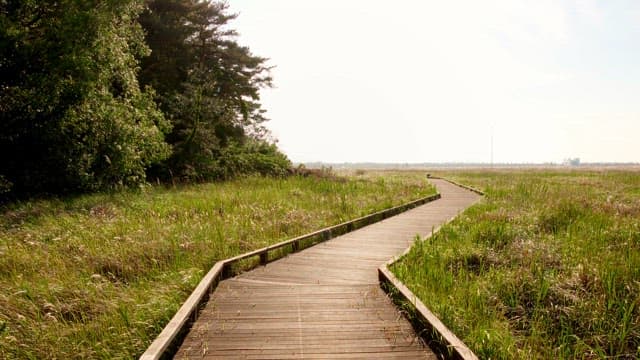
{"x": 208, "y": 85}
{"x": 168, "y": 26}
{"x": 72, "y": 115}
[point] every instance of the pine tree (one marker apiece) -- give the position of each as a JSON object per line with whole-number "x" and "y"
{"x": 208, "y": 85}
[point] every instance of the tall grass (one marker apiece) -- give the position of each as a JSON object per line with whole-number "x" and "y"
{"x": 547, "y": 266}
{"x": 98, "y": 276}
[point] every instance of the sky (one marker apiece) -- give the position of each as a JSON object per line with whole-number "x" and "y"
{"x": 441, "y": 81}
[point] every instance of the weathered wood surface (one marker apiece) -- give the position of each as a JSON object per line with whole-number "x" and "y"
{"x": 323, "y": 302}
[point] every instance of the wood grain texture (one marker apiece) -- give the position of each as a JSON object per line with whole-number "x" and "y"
{"x": 322, "y": 302}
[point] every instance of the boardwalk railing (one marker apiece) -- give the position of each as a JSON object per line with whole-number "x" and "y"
{"x": 169, "y": 339}
{"x": 430, "y": 328}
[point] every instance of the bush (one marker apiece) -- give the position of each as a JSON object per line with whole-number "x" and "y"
{"x": 254, "y": 157}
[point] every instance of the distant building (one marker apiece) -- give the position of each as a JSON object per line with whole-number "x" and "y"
{"x": 571, "y": 162}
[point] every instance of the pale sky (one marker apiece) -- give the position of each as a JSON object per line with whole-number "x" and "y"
{"x": 427, "y": 81}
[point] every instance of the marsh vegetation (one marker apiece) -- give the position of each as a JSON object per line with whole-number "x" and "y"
{"x": 546, "y": 266}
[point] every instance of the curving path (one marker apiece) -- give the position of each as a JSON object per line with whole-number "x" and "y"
{"x": 322, "y": 302}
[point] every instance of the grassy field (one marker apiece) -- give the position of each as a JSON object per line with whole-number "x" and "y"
{"x": 547, "y": 266}
{"x": 98, "y": 276}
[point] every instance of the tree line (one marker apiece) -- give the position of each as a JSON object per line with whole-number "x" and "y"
{"x": 100, "y": 94}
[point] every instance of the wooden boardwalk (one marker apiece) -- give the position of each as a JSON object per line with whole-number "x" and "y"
{"x": 322, "y": 302}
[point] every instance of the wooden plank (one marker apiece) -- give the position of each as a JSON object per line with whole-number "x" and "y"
{"x": 325, "y": 355}
{"x": 203, "y": 349}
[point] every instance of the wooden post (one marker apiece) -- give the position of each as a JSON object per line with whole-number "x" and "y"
{"x": 327, "y": 234}
{"x": 226, "y": 271}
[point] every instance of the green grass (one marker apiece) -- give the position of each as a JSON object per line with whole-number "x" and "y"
{"x": 547, "y": 266}
{"x": 98, "y": 276}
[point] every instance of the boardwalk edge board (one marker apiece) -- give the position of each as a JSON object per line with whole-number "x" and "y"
{"x": 169, "y": 339}
{"x": 470, "y": 188}
{"x": 427, "y": 325}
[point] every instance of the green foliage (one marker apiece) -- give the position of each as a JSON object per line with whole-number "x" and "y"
{"x": 253, "y": 157}
{"x": 72, "y": 115}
